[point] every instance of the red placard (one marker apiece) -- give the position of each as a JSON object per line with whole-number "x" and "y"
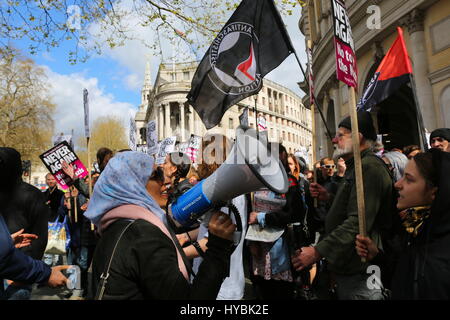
{"x": 346, "y": 68}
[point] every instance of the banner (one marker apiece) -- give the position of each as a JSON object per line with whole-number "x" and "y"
{"x": 132, "y": 137}
{"x": 346, "y": 68}
{"x": 152, "y": 137}
{"x": 252, "y": 43}
{"x": 166, "y": 146}
{"x": 53, "y": 159}
{"x": 86, "y": 113}
{"x": 243, "y": 118}
{"x": 311, "y": 77}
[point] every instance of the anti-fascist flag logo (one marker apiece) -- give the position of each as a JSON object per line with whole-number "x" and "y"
{"x": 251, "y": 44}
{"x": 232, "y": 58}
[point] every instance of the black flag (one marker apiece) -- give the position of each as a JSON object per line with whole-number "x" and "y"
{"x": 252, "y": 43}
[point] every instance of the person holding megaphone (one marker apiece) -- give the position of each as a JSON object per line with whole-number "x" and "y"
{"x": 137, "y": 256}
{"x": 216, "y": 148}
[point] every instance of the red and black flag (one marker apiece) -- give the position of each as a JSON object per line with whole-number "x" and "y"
{"x": 393, "y": 71}
{"x": 252, "y": 43}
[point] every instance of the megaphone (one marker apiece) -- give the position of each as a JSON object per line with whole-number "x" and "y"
{"x": 249, "y": 167}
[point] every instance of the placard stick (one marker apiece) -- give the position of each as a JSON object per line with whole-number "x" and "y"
{"x": 358, "y": 164}
{"x": 89, "y": 173}
{"x": 313, "y": 140}
{"x": 75, "y": 209}
{"x": 70, "y": 204}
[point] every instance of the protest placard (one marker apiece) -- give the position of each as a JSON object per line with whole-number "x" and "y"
{"x": 166, "y": 146}
{"x": 243, "y": 118}
{"x": 132, "y": 135}
{"x": 346, "y": 69}
{"x": 193, "y": 147}
{"x": 53, "y": 159}
{"x": 152, "y": 137}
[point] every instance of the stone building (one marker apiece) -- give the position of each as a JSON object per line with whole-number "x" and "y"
{"x": 287, "y": 119}
{"x": 425, "y": 23}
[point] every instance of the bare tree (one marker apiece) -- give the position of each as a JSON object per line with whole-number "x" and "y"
{"x": 26, "y": 108}
{"x": 91, "y": 24}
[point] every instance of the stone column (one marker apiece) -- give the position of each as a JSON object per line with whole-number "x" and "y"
{"x": 323, "y": 133}
{"x": 334, "y": 95}
{"x": 161, "y": 122}
{"x": 414, "y": 22}
{"x": 167, "y": 122}
{"x": 181, "y": 103}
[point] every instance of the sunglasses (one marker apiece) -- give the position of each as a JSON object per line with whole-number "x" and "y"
{"x": 157, "y": 174}
{"x": 329, "y": 166}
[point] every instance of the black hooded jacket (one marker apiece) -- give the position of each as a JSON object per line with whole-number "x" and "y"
{"x": 22, "y": 205}
{"x": 423, "y": 270}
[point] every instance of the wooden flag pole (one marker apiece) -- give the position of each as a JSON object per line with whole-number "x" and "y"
{"x": 70, "y": 203}
{"x": 89, "y": 172}
{"x": 358, "y": 164}
{"x": 313, "y": 138}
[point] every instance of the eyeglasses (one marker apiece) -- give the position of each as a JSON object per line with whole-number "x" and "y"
{"x": 328, "y": 166}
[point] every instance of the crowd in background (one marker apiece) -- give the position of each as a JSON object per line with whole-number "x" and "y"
{"x": 123, "y": 229}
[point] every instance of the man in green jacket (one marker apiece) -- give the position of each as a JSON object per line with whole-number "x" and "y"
{"x": 341, "y": 224}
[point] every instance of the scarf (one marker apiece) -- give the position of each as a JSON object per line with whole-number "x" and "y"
{"x": 413, "y": 219}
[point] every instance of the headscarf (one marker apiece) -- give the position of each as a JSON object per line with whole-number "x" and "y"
{"x": 398, "y": 161}
{"x": 10, "y": 169}
{"x": 124, "y": 182}
{"x": 440, "y": 209}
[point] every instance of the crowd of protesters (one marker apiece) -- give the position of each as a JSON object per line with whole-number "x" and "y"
{"x": 128, "y": 247}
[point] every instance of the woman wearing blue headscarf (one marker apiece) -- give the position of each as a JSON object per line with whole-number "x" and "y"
{"x": 128, "y": 201}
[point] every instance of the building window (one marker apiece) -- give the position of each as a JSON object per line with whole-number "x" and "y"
{"x": 264, "y": 101}
{"x": 284, "y": 135}
{"x": 173, "y": 76}
{"x": 35, "y": 180}
{"x": 186, "y": 75}
{"x": 230, "y": 123}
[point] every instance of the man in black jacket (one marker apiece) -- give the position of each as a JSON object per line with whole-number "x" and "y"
{"x": 23, "y": 207}
{"x": 53, "y": 196}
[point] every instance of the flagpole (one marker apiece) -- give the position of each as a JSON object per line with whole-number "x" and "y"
{"x": 314, "y": 137}
{"x": 256, "y": 116}
{"x": 420, "y": 124}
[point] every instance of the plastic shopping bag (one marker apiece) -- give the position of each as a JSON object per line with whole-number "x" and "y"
{"x": 58, "y": 237}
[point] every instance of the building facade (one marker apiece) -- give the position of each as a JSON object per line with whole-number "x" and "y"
{"x": 425, "y": 26}
{"x": 287, "y": 120}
